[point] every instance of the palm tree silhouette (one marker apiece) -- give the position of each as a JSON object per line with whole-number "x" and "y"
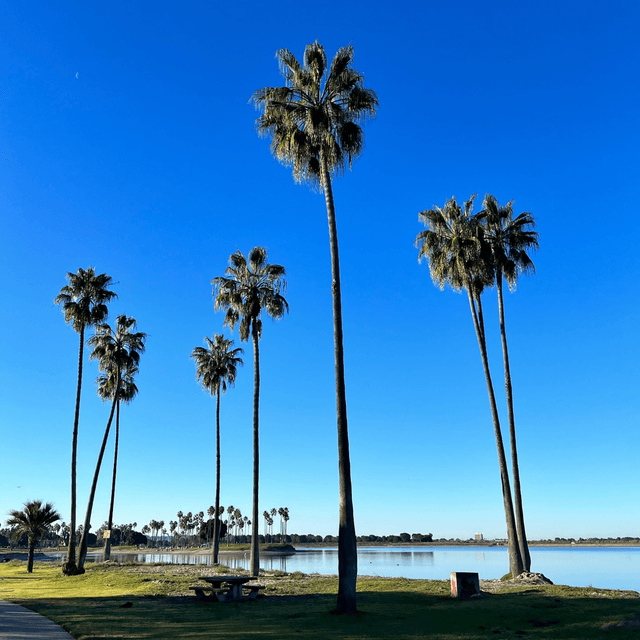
{"x": 116, "y": 351}
{"x": 84, "y": 304}
{"x": 128, "y": 390}
{"x": 247, "y": 288}
{"x": 216, "y": 366}
{"x": 34, "y": 520}
{"x": 458, "y": 256}
{"x": 314, "y": 125}
{"x": 509, "y": 239}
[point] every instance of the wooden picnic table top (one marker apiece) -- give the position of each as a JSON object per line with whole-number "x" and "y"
{"x": 229, "y": 579}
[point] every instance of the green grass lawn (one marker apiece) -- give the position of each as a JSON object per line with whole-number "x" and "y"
{"x": 299, "y": 606}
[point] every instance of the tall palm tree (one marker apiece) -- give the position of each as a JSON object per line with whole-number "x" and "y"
{"x": 314, "y": 124}
{"x": 247, "y": 288}
{"x": 84, "y": 304}
{"x": 458, "y": 256}
{"x": 509, "y": 240}
{"x": 216, "y": 366}
{"x": 128, "y": 391}
{"x": 116, "y": 351}
{"x": 34, "y": 520}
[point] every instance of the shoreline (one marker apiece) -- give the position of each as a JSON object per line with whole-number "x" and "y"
{"x": 7, "y": 554}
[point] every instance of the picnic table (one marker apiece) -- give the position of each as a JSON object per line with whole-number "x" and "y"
{"x": 227, "y": 588}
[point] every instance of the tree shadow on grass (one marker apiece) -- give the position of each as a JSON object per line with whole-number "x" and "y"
{"x": 382, "y": 615}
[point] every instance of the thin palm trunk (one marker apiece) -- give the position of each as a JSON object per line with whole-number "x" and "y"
{"x": 70, "y": 567}
{"x": 87, "y": 519}
{"x": 515, "y": 469}
{"x": 347, "y": 544}
{"x": 255, "y": 546}
{"x": 31, "y": 554}
{"x": 216, "y": 521}
{"x": 515, "y": 559}
{"x": 107, "y": 540}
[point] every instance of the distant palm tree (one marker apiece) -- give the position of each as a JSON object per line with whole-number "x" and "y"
{"x": 84, "y": 304}
{"x": 128, "y": 391}
{"x": 314, "y": 125}
{"x": 34, "y": 520}
{"x": 210, "y": 512}
{"x": 229, "y": 522}
{"x": 281, "y": 514}
{"x": 273, "y": 513}
{"x": 247, "y": 288}
{"x": 510, "y": 239}
{"x": 216, "y": 366}
{"x": 115, "y": 351}
{"x": 458, "y": 256}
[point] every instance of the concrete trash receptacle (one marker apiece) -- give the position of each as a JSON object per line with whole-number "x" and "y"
{"x": 464, "y": 585}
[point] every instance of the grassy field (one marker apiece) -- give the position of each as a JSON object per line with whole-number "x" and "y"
{"x": 161, "y": 607}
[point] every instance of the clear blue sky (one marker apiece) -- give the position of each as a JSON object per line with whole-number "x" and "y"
{"x": 127, "y": 143}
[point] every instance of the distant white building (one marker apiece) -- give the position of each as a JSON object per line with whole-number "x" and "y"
{"x": 479, "y": 537}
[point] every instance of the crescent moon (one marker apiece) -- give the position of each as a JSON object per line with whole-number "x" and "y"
{"x": 77, "y": 75}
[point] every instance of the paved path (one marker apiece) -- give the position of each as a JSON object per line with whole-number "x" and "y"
{"x": 18, "y": 623}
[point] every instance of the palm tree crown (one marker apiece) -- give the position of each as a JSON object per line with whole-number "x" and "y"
{"x": 217, "y": 363}
{"x": 128, "y": 389}
{"x": 509, "y": 239}
{"x": 316, "y": 117}
{"x": 84, "y": 300}
{"x": 247, "y": 288}
{"x": 119, "y": 350}
{"x": 453, "y": 244}
{"x": 34, "y": 520}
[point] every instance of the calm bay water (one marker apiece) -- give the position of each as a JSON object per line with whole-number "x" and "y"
{"x": 603, "y": 567}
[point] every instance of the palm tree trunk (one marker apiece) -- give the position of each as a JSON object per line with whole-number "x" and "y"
{"x": 87, "y": 519}
{"x": 347, "y": 544}
{"x": 515, "y": 559}
{"x": 31, "y": 553}
{"x": 107, "y": 541}
{"x": 69, "y": 568}
{"x": 255, "y": 545}
{"x": 515, "y": 469}
{"x": 216, "y": 522}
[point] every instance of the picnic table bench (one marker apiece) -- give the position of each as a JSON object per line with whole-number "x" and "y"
{"x": 205, "y": 591}
{"x": 227, "y": 588}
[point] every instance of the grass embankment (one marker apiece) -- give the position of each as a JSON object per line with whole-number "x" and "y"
{"x": 160, "y": 606}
